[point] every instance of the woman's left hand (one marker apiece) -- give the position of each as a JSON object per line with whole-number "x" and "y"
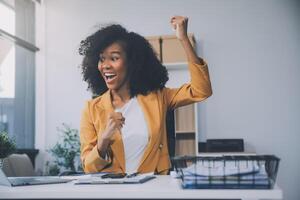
{"x": 180, "y": 23}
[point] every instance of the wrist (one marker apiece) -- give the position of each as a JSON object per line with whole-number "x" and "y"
{"x": 102, "y": 146}
{"x": 105, "y": 136}
{"x": 102, "y": 143}
{"x": 185, "y": 40}
{"x": 182, "y": 37}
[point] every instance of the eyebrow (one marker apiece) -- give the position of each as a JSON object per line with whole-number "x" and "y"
{"x": 118, "y": 52}
{"x": 112, "y": 52}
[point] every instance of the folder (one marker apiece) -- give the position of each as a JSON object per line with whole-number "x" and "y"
{"x": 141, "y": 178}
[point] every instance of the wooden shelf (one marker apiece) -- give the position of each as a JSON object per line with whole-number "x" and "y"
{"x": 185, "y": 146}
{"x": 168, "y": 48}
{"x": 185, "y": 132}
{"x": 186, "y": 136}
{"x": 185, "y": 119}
{"x": 176, "y": 66}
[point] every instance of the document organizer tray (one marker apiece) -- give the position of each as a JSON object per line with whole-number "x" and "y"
{"x": 227, "y": 172}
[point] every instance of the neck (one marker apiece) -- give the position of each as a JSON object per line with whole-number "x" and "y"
{"x": 120, "y": 97}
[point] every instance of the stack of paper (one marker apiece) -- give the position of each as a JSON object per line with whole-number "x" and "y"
{"x": 229, "y": 174}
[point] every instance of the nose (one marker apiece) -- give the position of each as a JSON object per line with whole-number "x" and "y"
{"x": 102, "y": 66}
{"x": 106, "y": 67}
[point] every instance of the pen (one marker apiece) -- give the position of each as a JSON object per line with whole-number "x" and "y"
{"x": 132, "y": 175}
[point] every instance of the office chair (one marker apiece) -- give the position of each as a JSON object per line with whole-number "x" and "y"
{"x": 171, "y": 136}
{"x": 18, "y": 165}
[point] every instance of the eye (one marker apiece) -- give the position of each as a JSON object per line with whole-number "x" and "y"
{"x": 114, "y": 58}
{"x": 101, "y": 59}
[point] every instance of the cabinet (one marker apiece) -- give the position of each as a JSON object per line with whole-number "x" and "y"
{"x": 171, "y": 53}
{"x": 186, "y": 130}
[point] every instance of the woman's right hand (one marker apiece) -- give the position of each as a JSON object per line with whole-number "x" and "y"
{"x": 115, "y": 122}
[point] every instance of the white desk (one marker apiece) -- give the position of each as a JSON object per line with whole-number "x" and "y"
{"x": 163, "y": 187}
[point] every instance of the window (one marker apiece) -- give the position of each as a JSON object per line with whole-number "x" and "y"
{"x": 17, "y": 70}
{"x": 7, "y": 53}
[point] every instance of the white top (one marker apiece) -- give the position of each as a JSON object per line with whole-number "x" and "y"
{"x": 134, "y": 134}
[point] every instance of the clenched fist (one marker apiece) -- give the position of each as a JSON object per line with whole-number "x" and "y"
{"x": 180, "y": 24}
{"x": 115, "y": 122}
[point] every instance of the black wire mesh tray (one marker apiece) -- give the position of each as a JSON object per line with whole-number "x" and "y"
{"x": 227, "y": 172}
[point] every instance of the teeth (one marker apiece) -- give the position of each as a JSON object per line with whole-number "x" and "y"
{"x": 109, "y": 74}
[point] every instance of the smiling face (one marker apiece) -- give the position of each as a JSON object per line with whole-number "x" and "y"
{"x": 112, "y": 66}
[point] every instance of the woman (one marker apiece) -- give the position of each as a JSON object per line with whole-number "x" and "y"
{"x": 123, "y": 130}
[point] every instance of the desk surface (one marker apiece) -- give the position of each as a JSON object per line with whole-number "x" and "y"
{"x": 163, "y": 187}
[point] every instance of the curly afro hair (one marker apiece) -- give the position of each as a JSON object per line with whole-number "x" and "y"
{"x": 145, "y": 71}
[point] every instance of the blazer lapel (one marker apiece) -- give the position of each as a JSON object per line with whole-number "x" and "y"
{"x": 152, "y": 112}
{"x": 117, "y": 142}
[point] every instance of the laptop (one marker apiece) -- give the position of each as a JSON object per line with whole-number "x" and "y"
{"x": 32, "y": 180}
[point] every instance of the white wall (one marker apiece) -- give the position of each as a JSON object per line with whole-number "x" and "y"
{"x": 252, "y": 48}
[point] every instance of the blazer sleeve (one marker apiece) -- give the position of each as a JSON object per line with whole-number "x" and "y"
{"x": 90, "y": 158}
{"x": 197, "y": 90}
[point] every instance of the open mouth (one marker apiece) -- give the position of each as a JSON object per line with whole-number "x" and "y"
{"x": 109, "y": 76}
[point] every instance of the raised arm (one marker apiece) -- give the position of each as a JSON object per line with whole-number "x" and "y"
{"x": 199, "y": 87}
{"x": 180, "y": 24}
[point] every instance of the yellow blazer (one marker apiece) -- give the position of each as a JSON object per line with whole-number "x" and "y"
{"x": 154, "y": 105}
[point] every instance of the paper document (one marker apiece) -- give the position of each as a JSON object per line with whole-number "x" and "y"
{"x": 141, "y": 178}
{"x": 220, "y": 168}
